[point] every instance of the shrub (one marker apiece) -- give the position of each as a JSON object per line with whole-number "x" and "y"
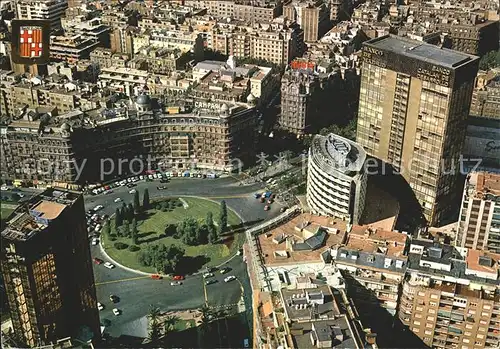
{"x": 120, "y": 245}
{"x": 133, "y": 248}
{"x": 112, "y": 238}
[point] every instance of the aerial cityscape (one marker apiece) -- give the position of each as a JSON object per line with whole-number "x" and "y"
{"x": 270, "y": 174}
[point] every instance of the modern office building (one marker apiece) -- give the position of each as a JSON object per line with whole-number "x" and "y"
{"x": 414, "y": 103}
{"x": 51, "y": 10}
{"x": 47, "y": 269}
{"x": 451, "y": 296}
{"x": 336, "y": 178}
{"x": 312, "y": 16}
{"x": 482, "y": 144}
{"x": 479, "y": 225}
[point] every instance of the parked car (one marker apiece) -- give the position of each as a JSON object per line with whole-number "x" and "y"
{"x": 95, "y": 241}
{"x": 118, "y": 200}
{"x": 283, "y": 209}
{"x": 230, "y": 278}
{"x": 178, "y": 277}
{"x": 100, "y": 306}
{"x": 176, "y": 283}
{"x": 98, "y": 260}
{"x": 161, "y": 187}
{"x": 211, "y": 281}
{"x": 270, "y": 201}
{"x": 224, "y": 270}
{"x": 109, "y": 265}
{"x": 4, "y": 188}
{"x": 114, "y": 298}
{"x": 116, "y": 311}
{"x": 266, "y": 208}
{"x": 132, "y": 191}
{"x": 207, "y": 275}
{"x": 98, "y": 207}
{"x": 156, "y": 277}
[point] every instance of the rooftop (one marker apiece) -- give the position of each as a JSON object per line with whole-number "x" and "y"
{"x": 279, "y": 245}
{"x": 368, "y": 239}
{"x": 311, "y": 303}
{"x": 337, "y": 330}
{"x": 421, "y": 51}
{"x": 36, "y": 215}
{"x": 487, "y": 183}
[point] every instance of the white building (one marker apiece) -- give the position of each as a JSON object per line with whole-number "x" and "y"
{"x": 51, "y": 10}
{"x": 336, "y": 183}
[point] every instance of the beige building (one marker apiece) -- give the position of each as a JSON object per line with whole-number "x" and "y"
{"x": 414, "y": 102}
{"x": 72, "y": 48}
{"x": 450, "y": 298}
{"x": 486, "y": 96}
{"x": 51, "y": 10}
{"x": 312, "y": 16}
{"x": 479, "y": 224}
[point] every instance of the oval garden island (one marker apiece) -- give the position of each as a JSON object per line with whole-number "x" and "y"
{"x": 178, "y": 235}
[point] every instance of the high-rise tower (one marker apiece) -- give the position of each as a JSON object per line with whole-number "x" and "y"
{"x": 414, "y": 102}
{"x": 47, "y": 270}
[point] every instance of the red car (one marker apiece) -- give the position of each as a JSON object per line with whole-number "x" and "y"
{"x": 156, "y": 277}
{"x": 98, "y": 261}
{"x": 178, "y": 277}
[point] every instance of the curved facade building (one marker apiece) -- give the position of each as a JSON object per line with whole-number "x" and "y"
{"x": 336, "y": 179}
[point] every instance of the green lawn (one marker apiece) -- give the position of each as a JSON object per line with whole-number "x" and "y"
{"x": 151, "y": 231}
{"x": 182, "y": 325}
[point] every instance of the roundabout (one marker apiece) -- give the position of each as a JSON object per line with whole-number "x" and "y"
{"x": 137, "y": 292}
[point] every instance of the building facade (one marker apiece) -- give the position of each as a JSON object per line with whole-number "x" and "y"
{"x": 450, "y": 297}
{"x": 40, "y": 258}
{"x": 414, "y": 103}
{"x": 479, "y": 225}
{"x": 336, "y": 178}
{"x": 51, "y": 10}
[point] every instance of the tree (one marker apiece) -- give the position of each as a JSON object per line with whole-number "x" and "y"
{"x": 211, "y": 229}
{"x": 134, "y": 232}
{"x": 222, "y": 217}
{"x": 490, "y": 60}
{"x": 126, "y": 229}
{"x": 145, "y": 200}
{"x": 154, "y": 325}
{"x": 187, "y": 229}
{"x": 206, "y": 316}
{"x": 137, "y": 206}
{"x": 202, "y": 234}
{"x": 130, "y": 212}
{"x": 118, "y": 218}
{"x": 163, "y": 258}
{"x": 169, "y": 324}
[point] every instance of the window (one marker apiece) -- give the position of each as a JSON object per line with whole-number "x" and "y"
{"x": 486, "y": 306}
{"x": 430, "y": 318}
{"x": 434, "y": 296}
{"x": 416, "y": 330}
{"x": 432, "y": 311}
{"x": 419, "y": 308}
{"x": 484, "y": 314}
{"x": 467, "y": 333}
{"x": 421, "y": 294}
{"x": 469, "y": 326}
{"x": 416, "y": 323}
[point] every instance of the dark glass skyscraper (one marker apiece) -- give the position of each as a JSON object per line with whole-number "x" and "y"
{"x": 47, "y": 269}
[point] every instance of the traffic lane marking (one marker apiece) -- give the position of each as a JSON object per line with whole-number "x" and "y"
{"x": 122, "y": 280}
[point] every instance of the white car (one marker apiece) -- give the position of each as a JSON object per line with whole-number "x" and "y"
{"x": 141, "y": 177}
{"x": 100, "y": 306}
{"x": 95, "y": 241}
{"x": 4, "y": 188}
{"x": 175, "y": 283}
{"x": 230, "y": 278}
{"x": 98, "y": 207}
{"x": 118, "y": 200}
{"x": 207, "y": 275}
{"x": 132, "y": 191}
{"x": 116, "y": 311}
{"x": 109, "y": 265}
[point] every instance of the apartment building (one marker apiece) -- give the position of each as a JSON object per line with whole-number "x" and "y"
{"x": 106, "y": 58}
{"x": 93, "y": 28}
{"x": 479, "y": 224}
{"x": 450, "y": 297}
{"x": 373, "y": 262}
{"x": 51, "y": 10}
{"x": 275, "y": 42}
{"x": 305, "y": 93}
{"x": 160, "y": 60}
{"x": 402, "y": 83}
{"x": 39, "y": 261}
{"x": 486, "y": 95}
{"x": 72, "y": 48}
{"x": 312, "y": 16}
{"x": 336, "y": 178}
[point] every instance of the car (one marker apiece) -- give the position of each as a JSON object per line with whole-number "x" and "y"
{"x": 95, "y": 241}
{"x": 162, "y": 187}
{"x": 114, "y": 298}
{"x": 100, "y": 306}
{"x": 266, "y": 208}
{"x": 20, "y": 195}
{"x": 118, "y": 200}
{"x": 98, "y": 207}
{"x": 270, "y": 201}
{"x": 109, "y": 265}
{"x": 257, "y": 195}
{"x": 141, "y": 177}
{"x": 98, "y": 260}
{"x": 176, "y": 283}
{"x": 211, "y": 281}
{"x": 224, "y": 270}
{"x": 230, "y": 278}
{"x": 178, "y": 277}
{"x": 132, "y": 191}
{"x": 156, "y": 277}
{"x": 116, "y": 311}
{"x": 4, "y": 188}
{"x": 262, "y": 199}
{"x": 283, "y": 209}
{"x": 240, "y": 252}
{"x": 207, "y": 275}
